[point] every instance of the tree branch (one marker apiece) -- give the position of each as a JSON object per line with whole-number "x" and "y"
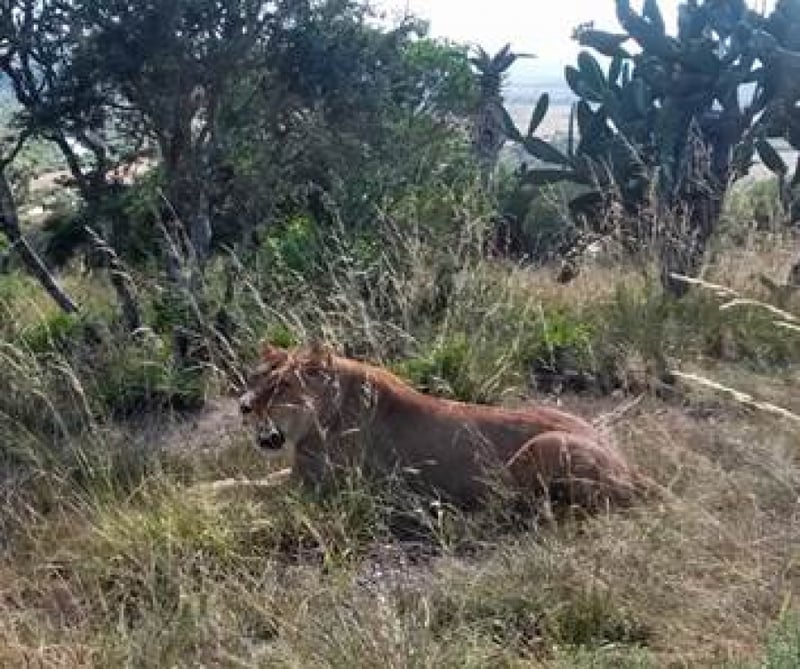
{"x": 9, "y": 223}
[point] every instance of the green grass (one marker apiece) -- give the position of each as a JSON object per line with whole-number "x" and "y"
{"x": 160, "y": 572}
{"x": 783, "y": 644}
{"x": 116, "y": 553}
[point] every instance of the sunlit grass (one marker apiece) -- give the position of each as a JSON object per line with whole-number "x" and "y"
{"x": 116, "y": 550}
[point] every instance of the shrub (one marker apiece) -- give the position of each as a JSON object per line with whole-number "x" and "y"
{"x": 140, "y": 377}
{"x": 60, "y": 332}
{"x": 293, "y": 246}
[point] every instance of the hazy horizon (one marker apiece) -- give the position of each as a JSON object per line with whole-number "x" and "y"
{"x": 524, "y": 25}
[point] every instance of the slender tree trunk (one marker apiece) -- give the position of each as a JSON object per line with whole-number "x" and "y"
{"x": 185, "y": 163}
{"x": 121, "y": 282}
{"x": 9, "y": 223}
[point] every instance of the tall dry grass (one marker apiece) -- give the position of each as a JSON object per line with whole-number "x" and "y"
{"x": 112, "y": 554}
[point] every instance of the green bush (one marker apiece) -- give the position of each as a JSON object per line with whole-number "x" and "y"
{"x": 563, "y": 346}
{"x": 139, "y": 377}
{"x": 294, "y": 246}
{"x": 541, "y": 225}
{"x": 64, "y": 235}
{"x": 444, "y": 370}
{"x": 16, "y": 288}
{"x": 60, "y": 332}
{"x": 501, "y": 355}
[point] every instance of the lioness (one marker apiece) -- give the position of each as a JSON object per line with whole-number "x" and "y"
{"x": 333, "y": 412}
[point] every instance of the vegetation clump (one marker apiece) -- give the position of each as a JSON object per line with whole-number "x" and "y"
{"x": 182, "y": 180}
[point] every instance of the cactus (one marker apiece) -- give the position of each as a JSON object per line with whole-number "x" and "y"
{"x": 488, "y": 134}
{"x": 662, "y": 133}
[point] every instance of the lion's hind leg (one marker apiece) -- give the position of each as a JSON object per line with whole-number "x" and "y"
{"x": 572, "y": 469}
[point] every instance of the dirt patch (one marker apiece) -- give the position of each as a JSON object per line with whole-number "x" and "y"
{"x": 216, "y": 427}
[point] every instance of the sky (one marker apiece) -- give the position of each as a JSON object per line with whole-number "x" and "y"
{"x": 543, "y": 27}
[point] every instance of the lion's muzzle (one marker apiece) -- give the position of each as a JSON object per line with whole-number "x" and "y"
{"x": 270, "y": 438}
{"x": 246, "y": 403}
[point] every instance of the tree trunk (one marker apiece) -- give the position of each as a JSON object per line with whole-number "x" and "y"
{"x": 9, "y": 223}
{"x": 121, "y": 282}
{"x": 200, "y": 238}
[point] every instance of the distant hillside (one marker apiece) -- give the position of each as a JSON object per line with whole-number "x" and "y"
{"x": 527, "y": 91}
{"x": 529, "y": 78}
{"x": 523, "y": 90}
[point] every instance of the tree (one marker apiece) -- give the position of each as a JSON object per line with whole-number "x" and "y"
{"x": 60, "y": 101}
{"x": 9, "y": 224}
{"x": 343, "y": 111}
{"x": 171, "y": 64}
{"x": 254, "y": 110}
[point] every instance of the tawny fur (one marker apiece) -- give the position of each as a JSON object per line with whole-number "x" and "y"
{"x": 336, "y": 411}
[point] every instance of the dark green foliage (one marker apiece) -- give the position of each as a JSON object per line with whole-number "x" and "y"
{"x": 65, "y": 235}
{"x": 254, "y": 110}
{"x": 126, "y": 217}
{"x": 563, "y": 346}
{"x": 62, "y": 332}
{"x": 142, "y": 378}
{"x": 444, "y": 370}
{"x": 293, "y": 246}
{"x": 539, "y": 225}
{"x": 492, "y": 69}
{"x": 664, "y": 132}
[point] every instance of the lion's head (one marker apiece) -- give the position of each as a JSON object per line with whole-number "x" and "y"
{"x": 288, "y": 395}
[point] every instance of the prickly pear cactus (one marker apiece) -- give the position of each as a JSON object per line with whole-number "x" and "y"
{"x": 673, "y": 120}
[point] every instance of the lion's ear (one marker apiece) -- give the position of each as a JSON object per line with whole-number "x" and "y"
{"x": 273, "y": 355}
{"x": 320, "y": 354}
